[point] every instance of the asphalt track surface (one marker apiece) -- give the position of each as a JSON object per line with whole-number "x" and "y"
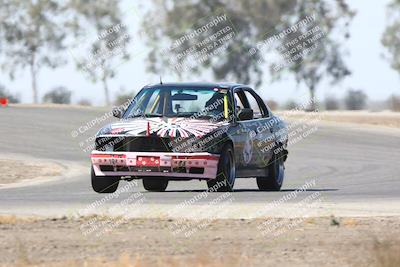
{"x": 348, "y": 164}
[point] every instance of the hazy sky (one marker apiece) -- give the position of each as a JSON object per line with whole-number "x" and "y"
{"x": 371, "y": 72}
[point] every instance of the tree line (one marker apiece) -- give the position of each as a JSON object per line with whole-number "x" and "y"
{"x": 38, "y": 34}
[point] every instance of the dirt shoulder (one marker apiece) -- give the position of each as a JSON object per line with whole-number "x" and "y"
{"x": 60, "y": 106}
{"x": 14, "y": 170}
{"x": 155, "y": 242}
{"x": 385, "y": 118}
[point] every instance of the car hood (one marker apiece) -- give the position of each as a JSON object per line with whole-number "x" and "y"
{"x": 163, "y": 127}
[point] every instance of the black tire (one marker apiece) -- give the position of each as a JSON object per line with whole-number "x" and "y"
{"x": 104, "y": 184}
{"x": 226, "y": 173}
{"x": 276, "y": 172}
{"x": 155, "y": 184}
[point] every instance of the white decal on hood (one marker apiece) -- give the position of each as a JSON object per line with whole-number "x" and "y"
{"x": 173, "y": 127}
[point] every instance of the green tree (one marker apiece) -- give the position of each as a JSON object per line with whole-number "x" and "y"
{"x": 122, "y": 97}
{"x": 391, "y": 36}
{"x": 32, "y": 36}
{"x": 253, "y": 23}
{"x": 58, "y": 95}
{"x": 84, "y": 102}
{"x": 108, "y": 48}
{"x": 355, "y": 100}
{"x": 331, "y": 103}
{"x": 326, "y": 58}
{"x": 394, "y": 102}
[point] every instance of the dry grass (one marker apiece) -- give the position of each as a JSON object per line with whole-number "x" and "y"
{"x": 125, "y": 260}
{"x": 12, "y": 219}
{"x": 17, "y": 170}
{"x": 350, "y": 222}
{"x": 387, "y": 254}
{"x": 309, "y": 221}
{"x": 383, "y": 255}
{"x": 58, "y": 242}
{"x": 8, "y": 219}
{"x": 59, "y": 106}
{"x": 388, "y": 119}
{"x": 201, "y": 259}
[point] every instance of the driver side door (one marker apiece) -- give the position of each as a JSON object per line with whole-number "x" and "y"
{"x": 244, "y": 137}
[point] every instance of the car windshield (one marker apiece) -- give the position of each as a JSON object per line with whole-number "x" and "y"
{"x": 180, "y": 102}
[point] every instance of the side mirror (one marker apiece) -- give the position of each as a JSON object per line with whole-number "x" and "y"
{"x": 117, "y": 112}
{"x": 245, "y": 114}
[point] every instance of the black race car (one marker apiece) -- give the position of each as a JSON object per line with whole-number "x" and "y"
{"x": 182, "y": 131}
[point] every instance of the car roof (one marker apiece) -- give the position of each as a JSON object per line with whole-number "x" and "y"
{"x": 198, "y": 84}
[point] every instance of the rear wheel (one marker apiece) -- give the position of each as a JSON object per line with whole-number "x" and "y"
{"x": 226, "y": 173}
{"x": 155, "y": 184}
{"x": 276, "y": 172}
{"x": 104, "y": 184}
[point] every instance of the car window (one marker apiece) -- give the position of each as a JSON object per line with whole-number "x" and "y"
{"x": 172, "y": 101}
{"x": 254, "y": 105}
{"x": 239, "y": 104}
{"x": 153, "y": 104}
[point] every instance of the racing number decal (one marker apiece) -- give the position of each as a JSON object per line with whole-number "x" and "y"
{"x": 248, "y": 146}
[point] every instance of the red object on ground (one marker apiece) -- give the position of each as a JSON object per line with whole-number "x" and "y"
{"x": 3, "y": 101}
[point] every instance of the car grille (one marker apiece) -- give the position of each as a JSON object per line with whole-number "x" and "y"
{"x": 133, "y": 144}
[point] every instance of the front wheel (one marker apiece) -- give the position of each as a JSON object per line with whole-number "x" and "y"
{"x": 276, "y": 172}
{"x": 155, "y": 184}
{"x": 226, "y": 173}
{"x": 104, "y": 184}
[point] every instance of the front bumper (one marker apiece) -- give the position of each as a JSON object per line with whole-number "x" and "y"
{"x": 200, "y": 165}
